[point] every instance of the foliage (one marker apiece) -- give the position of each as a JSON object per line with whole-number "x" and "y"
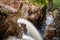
{"x": 56, "y": 3}
{"x": 42, "y": 2}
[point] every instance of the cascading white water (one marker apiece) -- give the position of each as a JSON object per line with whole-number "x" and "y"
{"x": 49, "y": 18}
{"x": 32, "y": 32}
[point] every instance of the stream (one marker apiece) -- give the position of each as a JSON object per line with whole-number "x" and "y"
{"x": 49, "y": 19}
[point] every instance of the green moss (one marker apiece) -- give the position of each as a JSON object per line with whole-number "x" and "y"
{"x": 56, "y": 4}
{"x": 42, "y": 2}
{"x": 4, "y": 10}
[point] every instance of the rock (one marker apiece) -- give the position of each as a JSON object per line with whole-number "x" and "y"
{"x": 24, "y": 12}
{"x": 9, "y": 26}
{"x": 13, "y": 3}
{"x": 33, "y": 13}
{"x": 52, "y": 31}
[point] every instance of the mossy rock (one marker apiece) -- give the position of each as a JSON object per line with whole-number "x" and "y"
{"x": 3, "y": 10}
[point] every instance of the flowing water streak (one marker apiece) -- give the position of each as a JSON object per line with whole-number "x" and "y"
{"x": 32, "y": 31}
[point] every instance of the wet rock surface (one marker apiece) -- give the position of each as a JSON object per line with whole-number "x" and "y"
{"x": 35, "y": 14}
{"x": 30, "y": 12}
{"x": 52, "y": 31}
{"x": 9, "y": 26}
{"x": 13, "y": 3}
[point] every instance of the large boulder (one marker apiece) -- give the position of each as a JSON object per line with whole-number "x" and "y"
{"x": 8, "y": 25}
{"x": 52, "y": 31}
{"x": 13, "y": 3}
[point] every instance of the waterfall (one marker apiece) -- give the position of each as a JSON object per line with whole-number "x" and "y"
{"x": 31, "y": 30}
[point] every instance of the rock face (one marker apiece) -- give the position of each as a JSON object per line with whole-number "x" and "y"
{"x": 34, "y": 14}
{"x": 24, "y": 10}
{"x": 52, "y": 31}
{"x": 28, "y": 11}
{"x": 13, "y": 3}
{"x": 31, "y": 12}
{"x": 8, "y": 25}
